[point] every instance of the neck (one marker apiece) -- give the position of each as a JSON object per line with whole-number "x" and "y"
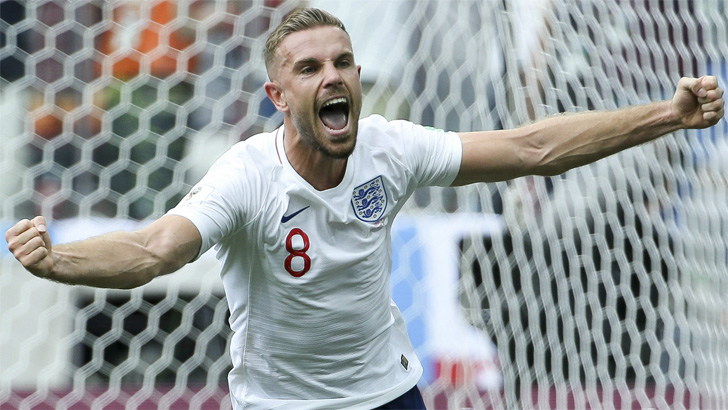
{"x": 318, "y": 169}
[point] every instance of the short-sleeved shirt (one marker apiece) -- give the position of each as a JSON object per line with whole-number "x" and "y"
{"x": 306, "y": 272}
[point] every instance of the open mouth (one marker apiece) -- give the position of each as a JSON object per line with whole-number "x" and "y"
{"x": 334, "y": 114}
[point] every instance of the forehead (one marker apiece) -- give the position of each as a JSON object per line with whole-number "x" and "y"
{"x": 318, "y": 43}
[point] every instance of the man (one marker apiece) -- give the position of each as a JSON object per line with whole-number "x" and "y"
{"x": 301, "y": 219}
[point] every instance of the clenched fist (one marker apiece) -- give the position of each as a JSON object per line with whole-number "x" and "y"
{"x": 698, "y": 101}
{"x": 30, "y": 243}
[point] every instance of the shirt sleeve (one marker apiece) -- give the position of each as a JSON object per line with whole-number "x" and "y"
{"x": 433, "y": 155}
{"x": 211, "y": 204}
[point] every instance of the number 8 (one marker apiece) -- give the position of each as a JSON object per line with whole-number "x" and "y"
{"x": 297, "y": 252}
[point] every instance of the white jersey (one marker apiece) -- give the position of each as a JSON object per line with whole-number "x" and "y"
{"x": 306, "y": 272}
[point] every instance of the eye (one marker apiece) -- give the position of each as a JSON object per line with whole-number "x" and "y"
{"x": 344, "y": 64}
{"x": 308, "y": 69}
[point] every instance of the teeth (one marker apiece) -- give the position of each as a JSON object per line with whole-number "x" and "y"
{"x": 340, "y": 100}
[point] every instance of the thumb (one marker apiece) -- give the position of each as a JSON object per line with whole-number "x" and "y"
{"x": 40, "y": 224}
{"x": 695, "y": 85}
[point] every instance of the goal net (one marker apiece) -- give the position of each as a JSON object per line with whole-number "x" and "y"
{"x": 601, "y": 287}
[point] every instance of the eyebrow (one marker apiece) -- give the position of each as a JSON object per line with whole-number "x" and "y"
{"x": 313, "y": 60}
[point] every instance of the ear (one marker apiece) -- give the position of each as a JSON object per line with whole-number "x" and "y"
{"x": 276, "y": 96}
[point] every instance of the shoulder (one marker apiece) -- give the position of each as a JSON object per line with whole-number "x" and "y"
{"x": 377, "y": 125}
{"x": 376, "y": 131}
{"x": 239, "y": 180}
{"x": 256, "y": 152}
{"x": 245, "y": 167}
{"x": 432, "y": 154}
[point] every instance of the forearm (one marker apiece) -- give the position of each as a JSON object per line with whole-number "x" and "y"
{"x": 556, "y": 144}
{"x": 571, "y": 140}
{"x": 119, "y": 260}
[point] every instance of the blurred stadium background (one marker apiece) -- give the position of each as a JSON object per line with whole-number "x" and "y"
{"x": 604, "y": 287}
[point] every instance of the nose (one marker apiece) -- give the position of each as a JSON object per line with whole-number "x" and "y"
{"x": 332, "y": 76}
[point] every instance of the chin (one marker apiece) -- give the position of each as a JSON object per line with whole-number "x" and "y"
{"x": 339, "y": 147}
{"x": 340, "y": 151}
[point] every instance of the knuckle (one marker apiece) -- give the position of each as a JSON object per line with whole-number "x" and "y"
{"x": 18, "y": 255}
{"x": 33, "y": 258}
{"x": 20, "y": 251}
{"x": 14, "y": 246}
{"x": 34, "y": 243}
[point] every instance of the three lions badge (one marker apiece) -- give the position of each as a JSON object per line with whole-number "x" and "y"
{"x": 369, "y": 200}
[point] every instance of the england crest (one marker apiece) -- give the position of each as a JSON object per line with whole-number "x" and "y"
{"x": 369, "y": 200}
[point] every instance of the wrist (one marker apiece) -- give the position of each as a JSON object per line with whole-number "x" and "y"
{"x": 669, "y": 115}
{"x": 52, "y": 270}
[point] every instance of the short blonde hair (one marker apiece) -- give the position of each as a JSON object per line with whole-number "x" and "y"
{"x": 301, "y": 19}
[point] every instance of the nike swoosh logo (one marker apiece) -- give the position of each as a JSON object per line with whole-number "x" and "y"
{"x": 287, "y": 218}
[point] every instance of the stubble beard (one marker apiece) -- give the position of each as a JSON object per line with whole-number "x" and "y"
{"x": 319, "y": 142}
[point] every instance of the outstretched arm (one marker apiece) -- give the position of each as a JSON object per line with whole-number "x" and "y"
{"x": 557, "y": 144}
{"x": 122, "y": 260}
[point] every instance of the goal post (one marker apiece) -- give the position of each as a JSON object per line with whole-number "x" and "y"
{"x": 601, "y": 287}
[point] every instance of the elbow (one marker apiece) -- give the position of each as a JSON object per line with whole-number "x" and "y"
{"x": 549, "y": 170}
{"x": 532, "y": 153}
{"x": 165, "y": 262}
{"x": 166, "y": 255}
{"x": 548, "y": 165}
{"x": 137, "y": 281}
{"x": 144, "y": 270}
{"x": 139, "y": 268}
{"x": 536, "y": 159}
{"x": 541, "y": 158}
{"x": 545, "y": 154}
{"x": 168, "y": 246}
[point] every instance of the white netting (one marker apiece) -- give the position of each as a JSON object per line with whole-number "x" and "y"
{"x": 603, "y": 287}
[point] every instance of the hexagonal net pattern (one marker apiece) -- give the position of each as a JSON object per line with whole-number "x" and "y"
{"x": 603, "y": 287}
